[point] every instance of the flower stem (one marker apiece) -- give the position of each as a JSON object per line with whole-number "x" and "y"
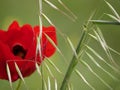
{"x": 42, "y": 77}
{"x": 73, "y": 62}
{"x": 19, "y": 84}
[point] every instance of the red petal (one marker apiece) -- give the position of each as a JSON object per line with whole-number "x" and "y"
{"x": 26, "y": 67}
{"x": 5, "y": 54}
{"x": 14, "y": 26}
{"x": 47, "y": 48}
{"x": 3, "y": 36}
{"x": 31, "y": 52}
{"x": 23, "y": 37}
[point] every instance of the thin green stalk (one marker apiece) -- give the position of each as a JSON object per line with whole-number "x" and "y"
{"x": 42, "y": 77}
{"x": 105, "y": 22}
{"x": 19, "y": 84}
{"x": 73, "y": 63}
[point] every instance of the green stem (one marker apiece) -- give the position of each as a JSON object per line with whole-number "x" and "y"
{"x": 42, "y": 77}
{"x": 73, "y": 63}
{"x": 19, "y": 84}
{"x": 105, "y": 22}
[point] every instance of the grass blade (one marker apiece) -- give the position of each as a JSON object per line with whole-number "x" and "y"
{"x": 102, "y": 59}
{"x": 38, "y": 69}
{"x": 83, "y": 78}
{"x": 113, "y": 17}
{"x": 56, "y": 8}
{"x": 91, "y": 70}
{"x": 47, "y": 19}
{"x": 19, "y": 72}
{"x": 94, "y": 37}
{"x": 49, "y": 84}
{"x": 39, "y": 49}
{"x": 67, "y": 9}
{"x": 20, "y": 75}
{"x": 113, "y": 10}
{"x": 9, "y": 76}
{"x": 105, "y": 22}
{"x": 72, "y": 47}
{"x": 43, "y": 82}
{"x": 104, "y": 45}
{"x": 40, "y": 18}
{"x": 56, "y": 85}
{"x": 114, "y": 51}
{"x": 73, "y": 62}
{"x": 45, "y": 85}
{"x": 52, "y": 42}
{"x": 19, "y": 84}
{"x": 99, "y": 66}
{"x": 69, "y": 87}
{"x": 57, "y": 69}
{"x": 47, "y": 67}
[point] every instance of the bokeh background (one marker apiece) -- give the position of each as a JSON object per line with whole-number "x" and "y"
{"x": 27, "y": 11}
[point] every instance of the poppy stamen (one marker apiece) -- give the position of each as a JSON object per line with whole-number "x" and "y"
{"x": 19, "y": 51}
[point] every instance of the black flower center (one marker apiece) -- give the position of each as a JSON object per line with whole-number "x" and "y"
{"x": 19, "y": 51}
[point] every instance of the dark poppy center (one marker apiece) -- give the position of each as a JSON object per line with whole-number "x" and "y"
{"x": 19, "y": 51}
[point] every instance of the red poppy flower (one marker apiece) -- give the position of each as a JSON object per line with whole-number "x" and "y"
{"x": 18, "y": 45}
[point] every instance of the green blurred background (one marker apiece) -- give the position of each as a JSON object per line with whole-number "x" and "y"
{"x": 27, "y": 11}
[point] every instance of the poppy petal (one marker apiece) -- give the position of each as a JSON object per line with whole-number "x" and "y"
{"x": 47, "y": 48}
{"x": 3, "y": 35}
{"x": 26, "y": 67}
{"x": 5, "y": 55}
{"x": 14, "y": 26}
{"x": 23, "y": 37}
